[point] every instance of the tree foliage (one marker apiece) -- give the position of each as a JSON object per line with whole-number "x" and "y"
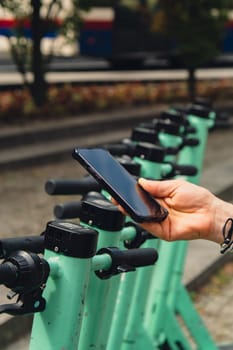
{"x": 196, "y": 28}
{"x": 26, "y": 49}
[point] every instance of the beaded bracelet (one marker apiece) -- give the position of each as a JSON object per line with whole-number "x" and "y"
{"x": 227, "y": 231}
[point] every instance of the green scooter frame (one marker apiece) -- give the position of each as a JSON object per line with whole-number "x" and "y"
{"x": 129, "y": 311}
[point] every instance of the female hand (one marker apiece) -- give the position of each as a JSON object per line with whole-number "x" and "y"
{"x": 194, "y": 212}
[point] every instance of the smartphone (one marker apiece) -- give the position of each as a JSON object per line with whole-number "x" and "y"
{"x": 122, "y": 186}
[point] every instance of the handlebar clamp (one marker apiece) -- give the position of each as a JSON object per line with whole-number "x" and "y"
{"x": 141, "y": 236}
{"x": 126, "y": 260}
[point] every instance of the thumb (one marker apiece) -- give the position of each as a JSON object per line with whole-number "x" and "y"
{"x": 159, "y": 189}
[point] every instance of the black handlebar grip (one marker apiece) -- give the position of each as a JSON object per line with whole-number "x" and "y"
{"x": 188, "y": 170}
{"x": 222, "y": 124}
{"x": 33, "y": 244}
{"x": 8, "y": 273}
{"x": 69, "y": 210}
{"x": 190, "y": 141}
{"x": 72, "y": 187}
{"x": 132, "y": 257}
{"x": 201, "y": 101}
{"x": 126, "y": 260}
{"x": 140, "y": 257}
{"x": 190, "y": 129}
{"x": 121, "y": 149}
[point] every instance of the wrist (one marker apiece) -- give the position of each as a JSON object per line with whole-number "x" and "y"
{"x": 222, "y": 211}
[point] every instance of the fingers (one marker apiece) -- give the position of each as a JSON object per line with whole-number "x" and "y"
{"x": 160, "y": 189}
{"x": 118, "y": 206}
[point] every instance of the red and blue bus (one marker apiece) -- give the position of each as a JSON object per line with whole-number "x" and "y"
{"x": 130, "y": 32}
{"x": 11, "y": 26}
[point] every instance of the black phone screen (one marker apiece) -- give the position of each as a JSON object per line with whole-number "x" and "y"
{"x": 120, "y": 184}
